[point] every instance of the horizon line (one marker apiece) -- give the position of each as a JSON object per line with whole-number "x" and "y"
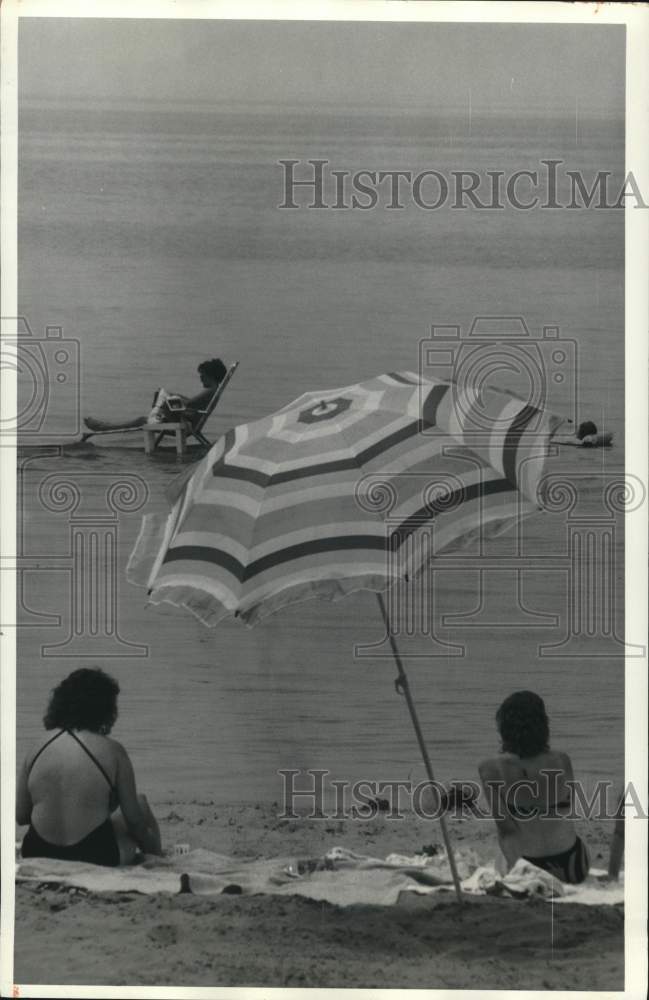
{"x": 209, "y": 104}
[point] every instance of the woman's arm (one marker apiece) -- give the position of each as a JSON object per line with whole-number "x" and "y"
{"x": 200, "y": 401}
{"x": 571, "y": 440}
{"x": 135, "y": 817}
{"x": 24, "y": 804}
{"x": 590, "y": 441}
{"x": 564, "y": 789}
{"x": 506, "y": 829}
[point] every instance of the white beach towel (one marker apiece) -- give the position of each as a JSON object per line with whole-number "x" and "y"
{"x": 342, "y": 877}
{"x": 525, "y": 880}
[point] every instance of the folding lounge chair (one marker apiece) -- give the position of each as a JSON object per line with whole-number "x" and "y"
{"x": 182, "y": 429}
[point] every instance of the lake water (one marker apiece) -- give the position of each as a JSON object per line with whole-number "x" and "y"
{"x": 152, "y": 236}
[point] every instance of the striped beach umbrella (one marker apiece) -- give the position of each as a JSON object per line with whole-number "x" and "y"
{"x": 341, "y": 490}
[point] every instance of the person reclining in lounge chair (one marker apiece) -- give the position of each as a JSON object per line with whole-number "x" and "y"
{"x": 211, "y": 375}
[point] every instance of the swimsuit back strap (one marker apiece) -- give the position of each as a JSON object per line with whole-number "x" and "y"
{"x": 45, "y": 745}
{"x": 92, "y": 757}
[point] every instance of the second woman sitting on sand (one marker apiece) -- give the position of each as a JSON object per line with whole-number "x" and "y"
{"x": 529, "y": 790}
{"x": 71, "y": 783}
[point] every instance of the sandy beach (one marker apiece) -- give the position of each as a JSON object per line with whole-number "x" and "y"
{"x": 68, "y": 936}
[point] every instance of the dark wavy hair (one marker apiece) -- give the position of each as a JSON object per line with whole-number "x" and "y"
{"x": 215, "y": 368}
{"x": 86, "y": 699}
{"x": 586, "y": 429}
{"x": 523, "y": 724}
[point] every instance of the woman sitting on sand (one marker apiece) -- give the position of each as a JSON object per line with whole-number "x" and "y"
{"x": 529, "y": 795}
{"x": 71, "y": 783}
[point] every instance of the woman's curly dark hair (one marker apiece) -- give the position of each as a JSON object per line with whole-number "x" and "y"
{"x": 86, "y": 699}
{"x": 523, "y": 724}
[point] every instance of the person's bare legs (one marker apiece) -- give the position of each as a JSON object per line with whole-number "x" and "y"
{"x": 104, "y": 425}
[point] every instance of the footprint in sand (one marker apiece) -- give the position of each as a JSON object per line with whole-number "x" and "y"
{"x": 164, "y": 934}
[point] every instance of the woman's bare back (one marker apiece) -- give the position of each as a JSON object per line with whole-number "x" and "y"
{"x": 534, "y": 795}
{"x": 72, "y": 794}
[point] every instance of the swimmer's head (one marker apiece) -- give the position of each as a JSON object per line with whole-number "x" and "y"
{"x": 586, "y": 429}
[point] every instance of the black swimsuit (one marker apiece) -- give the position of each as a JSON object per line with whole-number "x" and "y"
{"x": 99, "y": 847}
{"x": 569, "y": 866}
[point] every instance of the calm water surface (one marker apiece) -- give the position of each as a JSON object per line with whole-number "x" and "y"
{"x": 154, "y": 237}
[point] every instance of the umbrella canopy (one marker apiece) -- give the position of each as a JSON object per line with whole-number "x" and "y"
{"x": 331, "y": 494}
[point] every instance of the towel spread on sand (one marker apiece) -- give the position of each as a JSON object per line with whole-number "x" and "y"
{"x": 341, "y": 877}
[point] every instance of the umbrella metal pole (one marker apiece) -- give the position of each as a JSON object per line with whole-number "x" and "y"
{"x": 404, "y": 686}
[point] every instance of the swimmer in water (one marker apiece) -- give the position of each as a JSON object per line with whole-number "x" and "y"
{"x": 586, "y": 436}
